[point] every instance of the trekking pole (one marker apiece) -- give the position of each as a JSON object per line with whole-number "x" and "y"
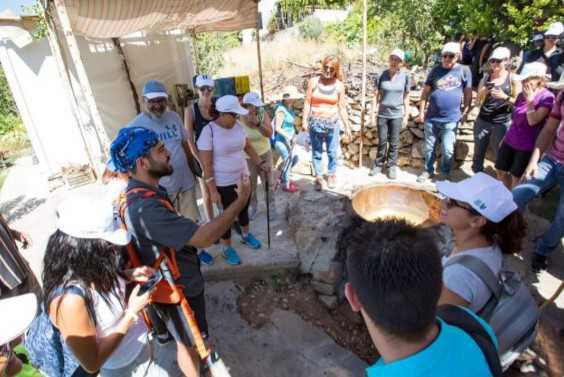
{"x": 216, "y": 366}
{"x": 267, "y": 189}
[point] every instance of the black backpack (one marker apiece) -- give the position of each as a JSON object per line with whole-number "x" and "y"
{"x": 457, "y": 316}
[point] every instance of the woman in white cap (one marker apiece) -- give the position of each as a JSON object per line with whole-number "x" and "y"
{"x": 486, "y": 224}
{"x": 285, "y": 126}
{"x": 497, "y": 93}
{"x": 100, "y": 327}
{"x": 221, "y": 146}
{"x": 259, "y": 132}
{"x": 196, "y": 118}
{"x": 530, "y": 112}
{"x": 391, "y": 98}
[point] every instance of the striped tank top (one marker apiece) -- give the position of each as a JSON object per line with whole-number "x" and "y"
{"x": 324, "y": 100}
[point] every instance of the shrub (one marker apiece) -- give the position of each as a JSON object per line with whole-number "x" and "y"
{"x": 311, "y": 28}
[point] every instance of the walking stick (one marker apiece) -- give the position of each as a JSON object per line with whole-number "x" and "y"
{"x": 267, "y": 189}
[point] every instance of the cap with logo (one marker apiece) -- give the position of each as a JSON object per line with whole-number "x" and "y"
{"x": 485, "y": 194}
{"x": 501, "y": 53}
{"x": 252, "y": 98}
{"x": 451, "y": 48}
{"x": 398, "y": 54}
{"x": 535, "y": 69}
{"x": 82, "y": 217}
{"x": 154, "y": 89}
{"x": 204, "y": 80}
{"x": 538, "y": 37}
{"x": 230, "y": 104}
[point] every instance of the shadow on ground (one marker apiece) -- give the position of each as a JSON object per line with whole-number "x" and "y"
{"x": 16, "y": 208}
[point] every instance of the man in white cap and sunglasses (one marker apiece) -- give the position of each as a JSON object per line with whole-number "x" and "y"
{"x": 447, "y": 88}
{"x": 550, "y": 54}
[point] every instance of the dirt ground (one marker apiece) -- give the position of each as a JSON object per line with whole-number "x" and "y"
{"x": 260, "y": 297}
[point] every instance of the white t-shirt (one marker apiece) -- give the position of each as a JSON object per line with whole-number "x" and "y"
{"x": 108, "y": 316}
{"x": 465, "y": 283}
{"x": 227, "y": 145}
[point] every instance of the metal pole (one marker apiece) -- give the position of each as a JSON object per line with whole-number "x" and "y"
{"x": 363, "y": 93}
{"x": 259, "y": 64}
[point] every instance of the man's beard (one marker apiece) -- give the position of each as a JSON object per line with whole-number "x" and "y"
{"x": 158, "y": 170}
{"x": 157, "y": 111}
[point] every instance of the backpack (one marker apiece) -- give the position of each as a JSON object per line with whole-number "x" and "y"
{"x": 511, "y": 310}
{"x": 45, "y": 346}
{"x": 459, "y": 317}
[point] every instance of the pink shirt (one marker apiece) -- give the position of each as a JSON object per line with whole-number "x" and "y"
{"x": 557, "y": 150}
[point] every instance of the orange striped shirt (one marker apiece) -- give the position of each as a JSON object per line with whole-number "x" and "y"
{"x": 324, "y": 100}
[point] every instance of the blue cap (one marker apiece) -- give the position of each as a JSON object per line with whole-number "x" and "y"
{"x": 130, "y": 144}
{"x": 154, "y": 89}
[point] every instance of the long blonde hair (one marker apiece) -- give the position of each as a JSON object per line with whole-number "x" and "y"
{"x": 333, "y": 61}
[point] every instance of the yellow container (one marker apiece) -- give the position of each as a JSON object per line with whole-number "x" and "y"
{"x": 242, "y": 85}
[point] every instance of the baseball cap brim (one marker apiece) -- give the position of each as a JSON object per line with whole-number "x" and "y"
{"x": 256, "y": 103}
{"x": 527, "y": 76}
{"x": 16, "y": 315}
{"x": 239, "y": 110}
{"x": 156, "y": 95}
{"x": 119, "y": 237}
{"x": 451, "y": 190}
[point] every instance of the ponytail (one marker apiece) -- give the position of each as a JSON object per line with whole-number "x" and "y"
{"x": 508, "y": 234}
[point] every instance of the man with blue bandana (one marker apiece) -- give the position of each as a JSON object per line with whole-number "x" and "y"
{"x": 139, "y": 152}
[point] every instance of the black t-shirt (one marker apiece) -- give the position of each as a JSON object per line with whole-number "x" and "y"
{"x": 153, "y": 226}
{"x": 494, "y": 110}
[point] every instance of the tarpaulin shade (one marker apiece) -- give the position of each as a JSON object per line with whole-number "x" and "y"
{"x": 117, "y": 18}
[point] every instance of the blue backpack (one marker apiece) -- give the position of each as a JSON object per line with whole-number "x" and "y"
{"x": 45, "y": 346}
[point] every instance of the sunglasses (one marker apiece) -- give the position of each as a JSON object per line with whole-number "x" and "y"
{"x": 329, "y": 68}
{"x": 234, "y": 115}
{"x": 552, "y": 37}
{"x": 206, "y": 88}
{"x": 495, "y": 61}
{"x": 448, "y": 56}
{"x": 155, "y": 101}
{"x": 450, "y": 203}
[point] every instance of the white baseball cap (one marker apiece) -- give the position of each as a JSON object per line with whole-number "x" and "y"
{"x": 81, "y": 216}
{"x": 398, "y": 53}
{"x": 230, "y": 104}
{"x": 16, "y": 314}
{"x": 535, "y": 69}
{"x": 556, "y": 28}
{"x": 252, "y": 98}
{"x": 291, "y": 92}
{"x": 485, "y": 194}
{"x": 451, "y": 47}
{"x": 204, "y": 80}
{"x": 557, "y": 85}
{"x": 501, "y": 53}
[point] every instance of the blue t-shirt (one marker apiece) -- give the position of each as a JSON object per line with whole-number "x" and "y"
{"x": 447, "y": 92}
{"x": 171, "y": 133}
{"x": 289, "y": 120}
{"x": 452, "y": 350}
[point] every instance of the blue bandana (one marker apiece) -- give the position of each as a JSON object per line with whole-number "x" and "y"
{"x": 130, "y": 144}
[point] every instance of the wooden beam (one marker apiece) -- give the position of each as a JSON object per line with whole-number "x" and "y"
{"x": 363, "y": 92}
{"x": 134, "y": 93}
{"x": 260, "y": 64}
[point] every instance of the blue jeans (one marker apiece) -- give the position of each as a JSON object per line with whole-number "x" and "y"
{"x": 445, "y": 133}
{"x": 282, "y": 147}
{"x": 321, "y": 132}
{"x": 548, "y": 174}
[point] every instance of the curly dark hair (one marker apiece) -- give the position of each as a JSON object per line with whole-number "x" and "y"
{"x": 84, "y": 262}
{"x": 508, "y": 234}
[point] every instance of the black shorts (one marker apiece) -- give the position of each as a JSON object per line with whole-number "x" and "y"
{"x": 511, "y": 160}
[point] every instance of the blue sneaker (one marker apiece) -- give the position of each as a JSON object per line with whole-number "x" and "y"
{"x": 205, "y": 257}
{"x": 231, "y": 256}
{"x": 251, "y": 241}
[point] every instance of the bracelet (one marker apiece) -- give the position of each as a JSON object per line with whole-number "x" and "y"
{"x": 210, "y": 179}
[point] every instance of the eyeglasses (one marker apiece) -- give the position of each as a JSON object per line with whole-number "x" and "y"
{"x": 155, "y": 101}
{"x": 206, "y": 88}
{"x": 495, "y": 61}
{"x": 448, "y": 56}
{"x": 455, "y": 203}
{"x": 234, "y": 115}
{"x": 552, "y": 37}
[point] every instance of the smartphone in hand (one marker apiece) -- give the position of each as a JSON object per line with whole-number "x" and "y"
{"x": 150, "y": 284}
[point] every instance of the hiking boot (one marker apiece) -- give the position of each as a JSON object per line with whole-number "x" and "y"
{"x": 319, "y": 183}
{"x": 332, "y": 181}
{"x": 250, "y": 241}
{"x": 375, "y": 171}
{"x": 539, "y": 263}
{"x": 423, "y": 177}
{"x": 205, "y": 257}
{"x": 393, "y": 172}
{"x": 231, "y": 256}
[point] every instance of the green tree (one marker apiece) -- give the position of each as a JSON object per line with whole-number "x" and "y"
{"x": 209, "y": 49}
{"x": 7, "y": 104}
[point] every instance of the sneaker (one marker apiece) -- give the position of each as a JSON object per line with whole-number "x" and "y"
{"x": 290, "y": 188}
{"x": 423, "y": 177}
{"x": 539, "y": 263}
{"x": 393, "y": 172}
{"x": 332, "y": 181}
{"x": 231, "y": 256}
{"x": 251, "y": 241}
{"x": 205, "y": 257}
{"x": 375, "y": 171}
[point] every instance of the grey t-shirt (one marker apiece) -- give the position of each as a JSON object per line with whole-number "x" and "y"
{"x": 172, "y": 133}
{"x": 153, "y": 226}
{"x": 393, "y": 91}
{"x": 468, "y": 285}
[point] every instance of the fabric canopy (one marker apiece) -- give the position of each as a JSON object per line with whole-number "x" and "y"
{"x": 117, "y": 18}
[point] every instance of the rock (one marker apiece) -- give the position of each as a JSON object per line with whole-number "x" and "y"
{"x": 462, "y": 151}
{"x": 418, "y": 149}
{"x": 353, "y": 148}
{"x": 417, "y": 132}
{"x": 323, "y": 288}
{"x": 372, "y": 153}
{"x": 329, "y": 301}
{"x": 413, "y": 112}
{"x": 406, "y": 137}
